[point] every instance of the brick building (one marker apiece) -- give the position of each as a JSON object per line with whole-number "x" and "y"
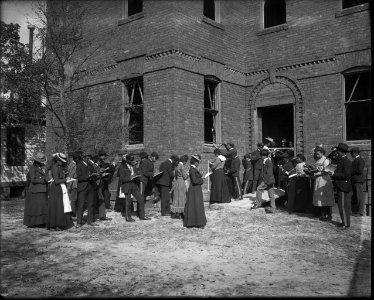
{"x": 189, "y": 74}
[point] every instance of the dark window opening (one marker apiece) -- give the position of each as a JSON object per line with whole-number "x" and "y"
{"x": 134, "y": 7}
{"x": 16, "y": 191}
{"x": 209, "y": 9}
{"x": 358, "y": 106}
{"x": 274, "y": 13}
{"x": 351, "y": 3}
{"x": 278, "y": 123}
{"x": 210, "y": 111}
{"x": 135, "y": 111}
{"x": 16, "y": 146}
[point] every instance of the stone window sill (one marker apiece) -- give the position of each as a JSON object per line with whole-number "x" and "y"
{"x": 352, "y": 10}
{"x": 131, "y": 18}
{"x": 213, "y": 23}
{"x": 209, "y": 148}
{"x": 273, "y": 29}
{"x": 135, "y": 147}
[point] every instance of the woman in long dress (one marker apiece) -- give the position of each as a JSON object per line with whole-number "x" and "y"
{"x": 194, "y": 212}
{"x": 36, "y": 202}
{"x": 57, "y": 218}
{"x": 180, "y": 189}
{"x": 219, "y": 192}
{"x": 323, "y": 195}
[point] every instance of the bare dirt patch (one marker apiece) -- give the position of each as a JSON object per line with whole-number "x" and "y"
{"x": 239, "y": 253}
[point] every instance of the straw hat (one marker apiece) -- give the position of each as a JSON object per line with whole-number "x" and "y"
{"x": 62, "y": 157}
{"x": 40, "y": 158}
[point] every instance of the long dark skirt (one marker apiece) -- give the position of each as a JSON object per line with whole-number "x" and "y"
{"x": 219, "y": 189}
{"x": 194, "y": 211}
{"x": 36, "y": 209}
{"x": 230, "y": 185}
{"x": 56, "y": 215}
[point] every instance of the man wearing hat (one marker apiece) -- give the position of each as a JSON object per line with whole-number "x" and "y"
{"x": 128, "y": 187}
{"x": 342, "y": 177}
{"x": 74, "y": 158}
{"x": 233, "y": 172}
{"x": 357, "y": 178}
{"x": 257, "y": 166}
{"x": 86, "y": 190}
{"x": 146, "y": 170}
{"x": 165, "y": 183}
{"x": 269, "y": 143}
{"x": 267, "y": 182}
{"x": 108, "y": 171}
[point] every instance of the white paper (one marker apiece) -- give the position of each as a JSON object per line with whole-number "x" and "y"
{"x": 208, "y": 174}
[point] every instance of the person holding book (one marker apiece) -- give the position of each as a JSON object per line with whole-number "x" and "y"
{"x": 323, "y": 192}
{"x": 219, "y": 192}
{"x": 180, "y": 188}
{"x": 36, "y": 202}
{"x": 86, "y": 190}
{"x": 194, "y": 211}
{"x": 107, "y": 175}
{"x": 128, "y": 187}
{"x": 59, "y": 209}
{"x": 342, "y": 177}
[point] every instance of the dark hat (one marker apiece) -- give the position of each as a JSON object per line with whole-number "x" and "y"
{"x": 143, "y": 154}
{"x": 77, "y": 154}
{"x": 87, "y": 154}
{"x": 354, "y": 149}
{"x": 230, "y": 144}
{"x": 197, "y": 157}
{"x": 102, "y": 153}
{"x": 343, "y": 147}
{"x": 155, "y": 154}
{"x": 174, "y": 157}
{"x": 264, "y": 152}
{"x": 130, "y": 157}
{"x": 40, "y": 158}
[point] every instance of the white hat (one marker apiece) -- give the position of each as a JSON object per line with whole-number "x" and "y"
{"x": 197, "y": 157}
{"x": 269, "y": 139}
{"x": 61, "y": 156}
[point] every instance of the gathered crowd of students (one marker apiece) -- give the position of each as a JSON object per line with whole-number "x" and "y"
{"x": 59, "y": 191}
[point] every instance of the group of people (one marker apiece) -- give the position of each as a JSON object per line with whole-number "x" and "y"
{"x": 60, "y": 192}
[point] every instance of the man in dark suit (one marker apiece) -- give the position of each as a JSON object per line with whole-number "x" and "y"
{"x": 357, "y": 179}
{"x": 233, "y": 172}
{"x": 165, "y": 182}
{"x": 85, "y": 189}
{"x": 267, "y": 182}
{"x": 257, "y": 166}
{"x": 248, "y": 173}
{"x": 342, "y": 177}
{"x": 146, "y": 170}
{"x": 108, "y": 170}
{"x": 128, "y": 187}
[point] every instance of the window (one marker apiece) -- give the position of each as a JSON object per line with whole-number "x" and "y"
{"x": 351, "y": 3}
{"x": 15, "y": 146}
{"x": 212, "y": 130}
{"x": 134, "y": 110}
{"x": 274, "y": 13}
{"x": 357, "y": 90}
{"x": 212, "y": 10}
{"x": 131, "y": 7}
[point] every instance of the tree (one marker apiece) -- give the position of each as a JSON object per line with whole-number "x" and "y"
{"x": 64, "y": 58}
{"x": 20, "y": 83}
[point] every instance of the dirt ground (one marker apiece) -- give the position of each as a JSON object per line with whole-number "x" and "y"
{"x": 239, "y": 253}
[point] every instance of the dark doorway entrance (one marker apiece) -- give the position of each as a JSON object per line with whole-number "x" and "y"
{"x": 278, "y": 123}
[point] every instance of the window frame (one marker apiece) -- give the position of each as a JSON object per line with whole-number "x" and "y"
{"x": 352, "y": 71}
{"x": 217, "y": 109}
{"x": 127, "y": 107}
{"x": 217, "y": 12}
{"x": 344, "y": 8}
{"x": 281, "y": 25}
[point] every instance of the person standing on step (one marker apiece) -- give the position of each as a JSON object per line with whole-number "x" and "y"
{"x": 358, "y": 180}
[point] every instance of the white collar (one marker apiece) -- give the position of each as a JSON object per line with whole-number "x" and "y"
{"x": 266, "y": 158}
{"x": 357, "y": 156}
{"x": 170, "y": 160}
{"x": 193, "y": 166}
{"x": 221, "y": 157}
{"x": 181, "y": 163}
{"x": 84, "y": 162}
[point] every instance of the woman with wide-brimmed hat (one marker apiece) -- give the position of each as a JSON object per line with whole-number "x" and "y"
{"x": 36, "y": 201}
{"x": 59, "y": 210}
{"x": 194, "y": 211}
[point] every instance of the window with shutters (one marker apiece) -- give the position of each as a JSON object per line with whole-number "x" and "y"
{"x": 357, "y": 102}
{"x": 274, "y": 13}
{"x": 134, "y": 110}
{"x": 15, "y": 146}
{"x": 212, "y": 124}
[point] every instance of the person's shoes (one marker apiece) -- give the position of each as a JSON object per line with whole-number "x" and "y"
{"x": 165, "y": 215}
{"x": 174, "y": 216}
{"x": 255, "y": 206}
{"x": 129, "y": 219}
{"x": 105, "y": 219}
{"x": 269, "y": 210}
{"x": 345, "y": 227}
{"x": 241, "y": 197}
{"x": 340, "y": 225}
{"x": 323, "y": 218}
{"x": 145, "y": 219}
{"x": 92, "y": 224}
